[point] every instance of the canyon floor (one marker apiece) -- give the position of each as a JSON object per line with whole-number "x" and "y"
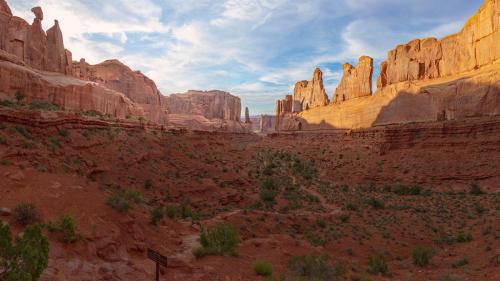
{"x": 350, "y": 195}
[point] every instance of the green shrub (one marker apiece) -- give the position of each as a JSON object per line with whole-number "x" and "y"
{"x": 267, "y": 195}
{"x": 263, "y": 268}
{"x": 26, "y": 213}
{"x": 43, "y": 105}
{"x": 54, "y": 144}
{"x": 220, "y": 239}
{"x": 148, "y": 184}
{"x": 157, "y": 215}
{"x": 463, "y": 237}
{"x": 64, "y": 133}
{"x": 27, "y": 259}
{"x": 377, "y": 264}
{"x": 314, "y": 239}
{"x": 7, "y": 103}
{"x": 66, "y": 226}
{"x": 315, "y": 267}
{"x": 269, "y": 184}
{"x": 122, "y": 201}
{"x": 23, "y": 132}
{"x": 375, "y": 203}
{"x": 459, "y": 263}
{"x": 351, "y": 207}
{"x": 475, "y": 189}
{"x": 407, "y": 190}
{"x": 171, "y": 211}
{"x": 422, "y": 255}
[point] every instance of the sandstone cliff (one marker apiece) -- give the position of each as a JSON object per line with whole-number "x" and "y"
{"x": 356, "y": 81}
{"x": 30, "y": 43}
{"x": 133, "y": 84}
{"x": 423, "y": 80}
{"x": 210, "y": 104}
{"x": 476, "y": 45}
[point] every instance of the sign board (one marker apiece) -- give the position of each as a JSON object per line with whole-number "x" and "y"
{"x": 157, "y": 257}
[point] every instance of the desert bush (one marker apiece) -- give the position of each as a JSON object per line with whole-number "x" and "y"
{"x": 66, "y": 226}
{"x": 220, "y": 239}
{"x": 19, "y": 96}
{"x": 27, "y": 259}
{"x": 26, "y": 213}
{"x": 267, "y": 195}
{"x": 463, "y": 237}
{"x": 7, "y": 103}
{"x": 64, "y": 133}
{"x": 54, "y": 144}
{"x": 377, "y": 264}
{"x": 157, "y": 215}
{"x": 122, "y": 200}
{"x": 375, "y": 203}
{"x": 43, "y": 105}
{"x": 23, "y": 132}
{"x": 407, "y": 190}
{"x": 422, "y": 255}
{"x": 459, "y": 263}
{"x": 171, "y": 211}
{"x": 315, "y": 267}
{"x": 314, "y": 239}
{"x": 263, "y": 268}
{"x": 475, "y": 189}
{"x": 148, "y": 184}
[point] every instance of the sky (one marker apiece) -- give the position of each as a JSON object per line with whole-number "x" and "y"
{"x": 255, "y": 49}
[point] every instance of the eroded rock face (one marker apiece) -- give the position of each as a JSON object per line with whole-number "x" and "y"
{"x": 133, "y": 84}
{"x": 284, "y": 106}
{"x": 4, "y": 8}
{"x": 356, "y": 81}
{"x": 310, "y": 94}
{"x": 31, "y": 44}
{"x": 68, "y": 92}
{"x": 59, "y": 59}
{"x": 476, "y": 45}
{"x": 210, "y": 104}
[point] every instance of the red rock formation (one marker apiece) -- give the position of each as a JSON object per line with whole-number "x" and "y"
{"x": 59, "y": 59}
{"x": 30, "y": 43}
{"x": 209, "y": 104}
{"x": 425, "y": 80}
{"x": 68, "y": 92}
{"x": 284, "y": 106}
{"x": 310, "y": 94}
{"x": 4, "y": 8}
{"x": 133, "y": 84}
{"x": 476, "y": 45}
{"x": 356, "y": 81}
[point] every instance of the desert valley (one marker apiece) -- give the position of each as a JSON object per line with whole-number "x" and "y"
{"x": 394, "y": 181}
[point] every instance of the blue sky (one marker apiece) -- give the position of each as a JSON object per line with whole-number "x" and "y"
{"x": 256, "y": 49}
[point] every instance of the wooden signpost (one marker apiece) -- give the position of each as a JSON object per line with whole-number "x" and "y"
{"x": 159, "y": 259}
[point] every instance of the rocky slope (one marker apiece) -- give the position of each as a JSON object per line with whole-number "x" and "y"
{"x": 423, "y": 80}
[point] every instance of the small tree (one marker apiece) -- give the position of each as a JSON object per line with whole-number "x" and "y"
{"x": 27, "y": 259}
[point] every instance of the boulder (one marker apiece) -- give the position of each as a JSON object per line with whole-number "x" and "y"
{"x": 356, "y": 81}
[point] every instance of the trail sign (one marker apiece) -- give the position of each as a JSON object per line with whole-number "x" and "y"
{"x": 159, "y": 259}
